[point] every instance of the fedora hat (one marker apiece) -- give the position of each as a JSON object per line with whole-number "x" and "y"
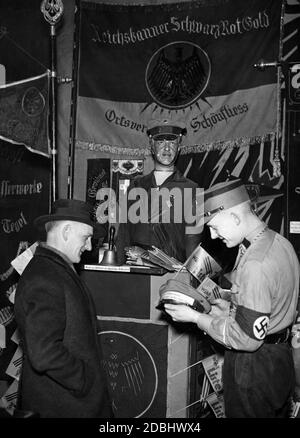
{"x": 68, "y": 209}
{"x": 165, "y": 129}
{"x": 222, "y": 196}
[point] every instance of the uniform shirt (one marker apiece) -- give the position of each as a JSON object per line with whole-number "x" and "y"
{"x": 265, "y": 286}
{"x": 169, "y": 236}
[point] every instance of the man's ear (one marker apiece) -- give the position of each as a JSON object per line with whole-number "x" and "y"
{"x": 66, "y": 231}
{"x": 236, "y": 218}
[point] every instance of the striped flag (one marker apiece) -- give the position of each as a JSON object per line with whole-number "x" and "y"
{"x": 9, "y": 399}
{"x": 192, "y": 62}
{"x": 15, "y": 366}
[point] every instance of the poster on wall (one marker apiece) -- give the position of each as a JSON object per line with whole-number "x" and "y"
{"x": 293, "y": 80}
{"x": 105, "y": 173}
{"x": 98, "y": 177}
{"x": 123, "y": 171}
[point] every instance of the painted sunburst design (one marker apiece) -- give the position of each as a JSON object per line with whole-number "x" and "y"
{"x": 291, "y": 37}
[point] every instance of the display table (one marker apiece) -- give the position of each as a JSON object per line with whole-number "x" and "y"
{"x": 146, "y": 356}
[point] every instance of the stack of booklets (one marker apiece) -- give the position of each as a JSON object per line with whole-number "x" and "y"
{"x": 203, "y": 267}
{"x": 151, "y": 257}
{"x": 211, "y": 290}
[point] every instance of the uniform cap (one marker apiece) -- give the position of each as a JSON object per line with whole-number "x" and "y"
{"x": 165, "y": 129}
{"x": 223, "y": 196}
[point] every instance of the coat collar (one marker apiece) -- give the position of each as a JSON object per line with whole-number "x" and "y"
{"x": 46, "y": 250}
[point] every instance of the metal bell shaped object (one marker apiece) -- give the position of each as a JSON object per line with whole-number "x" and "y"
{"x": 110, "y": 255}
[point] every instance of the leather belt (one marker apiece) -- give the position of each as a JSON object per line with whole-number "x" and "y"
{"x": 279, "y": 337}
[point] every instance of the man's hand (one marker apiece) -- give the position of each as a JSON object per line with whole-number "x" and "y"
{"x": 182, "y": 313}
{"x": 219, "y": 307}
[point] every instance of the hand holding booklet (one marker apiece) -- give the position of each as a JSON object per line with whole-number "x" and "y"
{"x": 177, "y": 292}
{"x": 202, "y": 266}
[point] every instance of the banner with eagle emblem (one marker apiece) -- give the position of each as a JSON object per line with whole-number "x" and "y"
{"x": 191, "y": 62}
{"x": 24, "y": 108}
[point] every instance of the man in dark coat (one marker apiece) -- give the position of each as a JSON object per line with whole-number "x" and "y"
{"x": 62, "y": 376}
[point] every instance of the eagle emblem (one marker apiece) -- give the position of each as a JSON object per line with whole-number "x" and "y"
{"x": 177, "y": 74}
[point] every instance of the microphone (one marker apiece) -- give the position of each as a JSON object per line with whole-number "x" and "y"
{"x": 261, "y": 65}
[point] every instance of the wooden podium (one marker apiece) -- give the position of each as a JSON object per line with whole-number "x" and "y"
{"x": 146, "y": 355}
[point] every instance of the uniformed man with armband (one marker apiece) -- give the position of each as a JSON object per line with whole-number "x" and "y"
{"x": 258, "y": 372}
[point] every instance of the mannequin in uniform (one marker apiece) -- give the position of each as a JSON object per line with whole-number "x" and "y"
{"x": 173, "y": 236}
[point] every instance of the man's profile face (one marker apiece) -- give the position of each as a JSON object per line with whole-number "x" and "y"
{"x": 165, "y": 151}
{"x": 79, "y": 240}
{"x": 224, "y": 227}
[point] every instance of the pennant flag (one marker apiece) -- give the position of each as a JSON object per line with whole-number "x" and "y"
{"x": 213, "y": 369}
{"x": 24, "y": 113}
{"x": 9, "y": 400}
{"x": 216, "y": 402}
{"x": 15, "y": 366}
{"x": 192, "y": 62}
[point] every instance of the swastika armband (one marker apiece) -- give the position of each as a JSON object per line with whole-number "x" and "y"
{"x": 253, "y": 323}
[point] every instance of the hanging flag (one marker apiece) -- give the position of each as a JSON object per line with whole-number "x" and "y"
{"x": 216, "y": 402}
{"x": 192, "y": 62}
{"x": 9, "y": 400}
{"x": 213, "y": 366}
{"x": 24, "y": 113}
